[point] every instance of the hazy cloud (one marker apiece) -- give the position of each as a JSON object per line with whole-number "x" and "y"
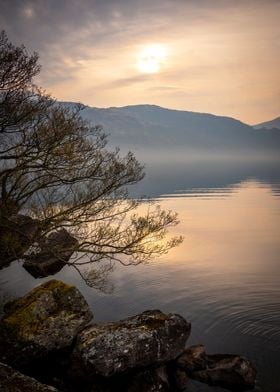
{"x": 228, "y": 50}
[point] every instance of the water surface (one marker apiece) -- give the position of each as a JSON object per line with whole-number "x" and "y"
{"x": 224, "y": 278}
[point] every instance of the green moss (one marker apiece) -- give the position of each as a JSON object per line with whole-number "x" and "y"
{"x": 56, "y": 286}
{"x": 22, "y": 317}
{"x": 51, "y": 285}
{"x": 22, "y": 322}
{"x": 155, "y": 322}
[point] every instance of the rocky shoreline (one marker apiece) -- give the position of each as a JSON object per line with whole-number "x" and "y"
{"x": 48, "y": 343}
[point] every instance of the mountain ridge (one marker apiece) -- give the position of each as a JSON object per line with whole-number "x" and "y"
{"x": 117, "y": 108}
{"x": 151, "y": 127}
{"x": 271, "y": 124}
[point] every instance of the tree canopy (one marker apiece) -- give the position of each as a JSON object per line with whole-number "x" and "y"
{"x": 56, "y": 169}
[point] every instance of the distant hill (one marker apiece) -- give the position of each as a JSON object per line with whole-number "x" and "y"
{"x": 273, "y": 124}
{"x": 152, "y": 128}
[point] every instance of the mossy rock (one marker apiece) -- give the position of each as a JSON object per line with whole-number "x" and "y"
{"x": 148, "y": 339}
{"x": 44, "y": 320}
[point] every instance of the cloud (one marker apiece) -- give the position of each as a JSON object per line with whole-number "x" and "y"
{"x": 88, "y": 50}
{"x": 126, "y": 82}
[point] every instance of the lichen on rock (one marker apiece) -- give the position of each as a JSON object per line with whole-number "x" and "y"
{"x": 46, "y": 319}
{"x": 149, "y": 338}
{"x": 45, "y": 334}
{"x": 51, "y": 254}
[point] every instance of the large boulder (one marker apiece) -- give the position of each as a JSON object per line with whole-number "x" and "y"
{"x": 146, "y": 339}
{"x": 50, "y": 254}
{"x": 14, "y": 381}
{"x": 45, "y": 320}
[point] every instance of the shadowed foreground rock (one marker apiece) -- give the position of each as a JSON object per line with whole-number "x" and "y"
{"x": 45, "y": 320}
{"x": 149, "y": 381}
{"x": 139, "y": 380}
{"x": 193, "y": 358}
{"x": 227, "y": 371}
{"x": 179, "y": 379}
{"x": 52, "y": 254}
{"x": 14, "y": 381}
{"x": 149, "y": 338}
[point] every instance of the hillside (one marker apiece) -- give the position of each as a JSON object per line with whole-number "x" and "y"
{"x": 152, "y": 128}
{"x": 272, "y": 124}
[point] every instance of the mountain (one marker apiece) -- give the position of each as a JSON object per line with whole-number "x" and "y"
{"x": 150, "y": 128}
{"x": 273, "y": 124}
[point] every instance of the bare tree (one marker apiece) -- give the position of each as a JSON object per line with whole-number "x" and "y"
{"x": 56, "y": 169}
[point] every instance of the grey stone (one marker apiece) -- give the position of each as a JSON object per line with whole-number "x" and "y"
{"x": 51, "y": 254}
{"x": 227, "y": 371}
{"x": 180, "y": 379}
{"x": 14, "y": 381}
{"x": 149, "y": 338}
{"x": 45, "y": 320}
{"x": 193, "y": 358}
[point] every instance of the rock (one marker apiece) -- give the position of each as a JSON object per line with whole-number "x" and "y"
{"x": 193, "y": 358}
{"x": 149, "y": 338}
{"x": 179, "y": 379}
{"x": 152, "y": 380}
{"x": 14, "y": 381}
{"x": 227, "y": 371}
{"x": 45, "y": 320}
{"x": 138, "y": 380}
{"x": 17, "y": 233}
{"x": 51, "y": 254}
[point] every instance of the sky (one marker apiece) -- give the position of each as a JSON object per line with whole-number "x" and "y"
{"x": 214, "y": 56}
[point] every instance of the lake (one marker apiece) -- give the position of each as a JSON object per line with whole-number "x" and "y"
{"x": 225, "y": 276}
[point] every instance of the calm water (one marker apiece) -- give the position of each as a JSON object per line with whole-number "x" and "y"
{"x": 224, "y": 278}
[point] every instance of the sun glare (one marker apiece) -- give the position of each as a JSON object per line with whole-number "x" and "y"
{"x": 151, "y": 58}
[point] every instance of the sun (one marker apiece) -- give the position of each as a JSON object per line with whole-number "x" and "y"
{"x": 151, "y": 58}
